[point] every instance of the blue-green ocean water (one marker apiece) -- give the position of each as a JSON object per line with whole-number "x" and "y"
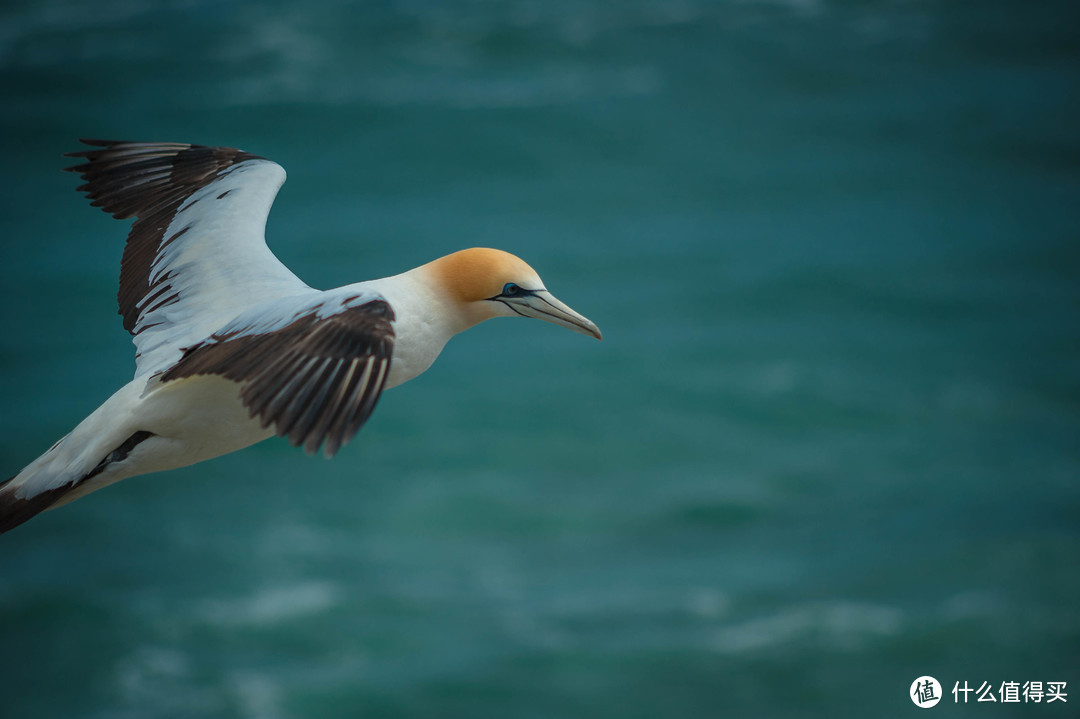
{"x": 830, "y": 442}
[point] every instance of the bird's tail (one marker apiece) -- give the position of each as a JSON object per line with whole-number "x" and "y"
{"x": 88, "y": 458}
{"x": 17, "y": 507}
{"x": 67, "y": 471}
{"x": 41, "y": 484}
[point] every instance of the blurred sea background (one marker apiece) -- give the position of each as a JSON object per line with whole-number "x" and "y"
{"x": 830, "y": 442}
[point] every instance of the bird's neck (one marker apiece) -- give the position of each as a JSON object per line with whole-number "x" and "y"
{"x": 419, "y": 299}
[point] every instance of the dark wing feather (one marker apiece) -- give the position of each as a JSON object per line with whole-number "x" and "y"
{"x": 148, "y": 181}
{"x": 316, "y": 379}
{"x": 196, "y": 255}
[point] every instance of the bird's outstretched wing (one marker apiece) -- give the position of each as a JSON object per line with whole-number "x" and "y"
{"x": 313, "y": 370}
{"x": 196, "y": 255}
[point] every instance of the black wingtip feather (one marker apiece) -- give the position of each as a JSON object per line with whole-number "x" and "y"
{"x": 87, "y": 153}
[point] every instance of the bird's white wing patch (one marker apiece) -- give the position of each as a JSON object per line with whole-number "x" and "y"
{"x": 196, "y": 255}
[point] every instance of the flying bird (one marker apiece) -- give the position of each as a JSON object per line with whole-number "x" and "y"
{"x": 231, "y": 346}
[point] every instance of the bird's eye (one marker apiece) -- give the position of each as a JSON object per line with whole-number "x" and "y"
{"x": 510, "y": 289}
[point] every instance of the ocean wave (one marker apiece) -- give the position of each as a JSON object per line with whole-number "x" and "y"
{"x": 273, "y": 605}
{"x": 830, "y": 624}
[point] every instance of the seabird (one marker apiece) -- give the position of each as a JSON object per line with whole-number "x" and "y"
{"x": 231, "y": 346}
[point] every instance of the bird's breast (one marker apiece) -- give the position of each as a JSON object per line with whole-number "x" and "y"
{"x": 416, "y": 346}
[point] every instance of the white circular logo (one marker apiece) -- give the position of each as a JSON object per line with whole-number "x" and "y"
{"x": 925, "y": 692}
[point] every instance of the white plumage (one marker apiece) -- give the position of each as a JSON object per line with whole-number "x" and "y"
{"x": 212, "y": 286}
{"x": 232, "y": 347}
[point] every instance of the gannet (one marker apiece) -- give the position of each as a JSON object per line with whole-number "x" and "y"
{"x": 232, "y": 347}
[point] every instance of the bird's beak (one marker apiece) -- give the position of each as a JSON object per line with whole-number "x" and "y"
{"x": 543, "y": 305}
